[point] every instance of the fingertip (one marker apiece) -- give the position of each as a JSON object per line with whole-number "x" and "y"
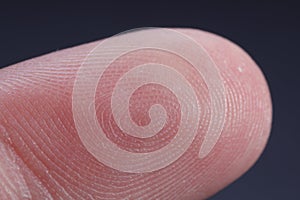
{"x": 179, "y": 116}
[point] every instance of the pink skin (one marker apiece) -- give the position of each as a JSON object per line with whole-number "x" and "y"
{"x": 43, "y": 157}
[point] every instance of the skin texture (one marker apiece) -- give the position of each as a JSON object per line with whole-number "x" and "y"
{"x": 44, "y": 157}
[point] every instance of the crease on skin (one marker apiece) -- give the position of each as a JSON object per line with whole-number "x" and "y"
{"x": 12, "y": 180}
{"x": 65, "y": 193}
{"x": 16, "y": 178}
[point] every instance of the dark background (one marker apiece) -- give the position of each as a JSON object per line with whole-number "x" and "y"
{"x": 269, "y": 31}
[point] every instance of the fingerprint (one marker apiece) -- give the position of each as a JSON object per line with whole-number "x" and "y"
{"x": 138, "y": 100}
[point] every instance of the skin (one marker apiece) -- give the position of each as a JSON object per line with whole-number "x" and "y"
{"x": 43, "y": 157}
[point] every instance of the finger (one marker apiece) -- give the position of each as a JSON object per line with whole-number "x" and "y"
{"x": 151, "y": 114}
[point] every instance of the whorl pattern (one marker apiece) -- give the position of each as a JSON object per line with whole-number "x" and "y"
{"x": 137, "y": 103}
